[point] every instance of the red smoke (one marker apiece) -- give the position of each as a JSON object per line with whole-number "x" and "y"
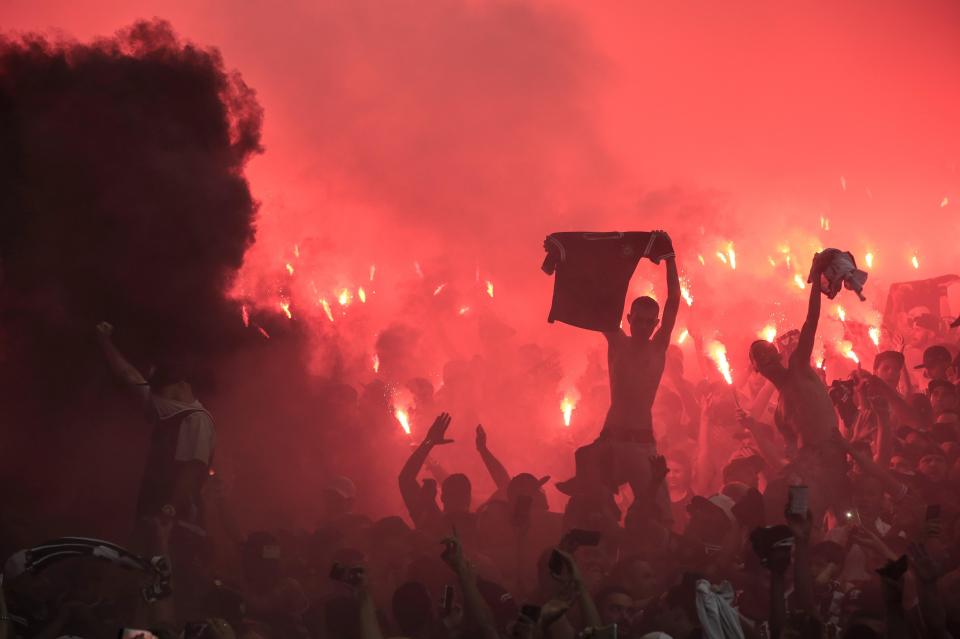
{"x": 455, "y": 135}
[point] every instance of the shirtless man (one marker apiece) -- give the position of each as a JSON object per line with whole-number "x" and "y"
{"x": 805, "y": 413}
{"x": 622, "y": 452}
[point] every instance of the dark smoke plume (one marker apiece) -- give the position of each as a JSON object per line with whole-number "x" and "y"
{"x": 122, "y": 197}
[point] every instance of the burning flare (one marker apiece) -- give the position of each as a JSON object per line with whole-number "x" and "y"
{"x": 245, "y": 316}
{"x": 874, "y": 335}
{"x": 685, "y": 291}
{"x": 326, "y": 309}
{"x": 684, "y": 334}
{"x": 841, "y": 313}
{"x": 464, "y": 310}
{"x": 440, "y": 288}
{"x": 566, "y": 407}
{"x": 768, "y": 332}
{"x": 846, "y": 349}
{"x": 285, "y": 307}
{"x": 289, "y": 268}
{"x": 344, "y": 297}
{"x": 718, "y": 353}
{"x": 489, "y": 288}
{"x": 376, "y": 363}
{"x": 824, "y": 223}
{"x": 732, "y": 255}
{"x": 868, "y": 258}
{"x": 362, "y": 294}
{"x": 915, "y": 261}
{"x": 404, "y": 418}
{"x": 798, "y": 280}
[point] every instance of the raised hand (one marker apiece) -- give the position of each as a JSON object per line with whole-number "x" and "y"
{"x": 481, "y": 438}
{"x": 437, "y": 435}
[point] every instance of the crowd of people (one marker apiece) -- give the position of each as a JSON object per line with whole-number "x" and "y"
{"x": 786, "y": 508}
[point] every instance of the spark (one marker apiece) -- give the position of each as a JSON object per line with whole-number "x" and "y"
{"x": 915, "y": 261}
{"x": 874, "y": 335}
{"x": 868, "y": 258}
{"x": 245, "y": 316}
{"x": 684, "y": 334}
{"x": 722, "y": 257}
{"x": 416, "y": 267}
{"x": 404, "y": 418}
{"x": 489, "y": 288}
{"x": 362, "y": 294}
{"x": 289, "y": 268}
{"x": 768, "y": 332}
{"x": 376, "y": 363}
{"x": 373, "y": 271}
{"x": 566, "y": 407}
{"x": 437, "y": 290}
{"x": 798, "y": 280}
{"x": 732, "y": 255}
{"x": 701, "y": 260}
{"x": 344, "y": 297}
{"x": 326, "y": 309}
{"x": 718, "y": 353}
{"x": 944, "y": 201}
{"x": 263, "y": 332}
{"x": 285, "y": 307}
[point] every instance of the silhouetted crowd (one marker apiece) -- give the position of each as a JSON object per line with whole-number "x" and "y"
{"x": 783, "y": 507}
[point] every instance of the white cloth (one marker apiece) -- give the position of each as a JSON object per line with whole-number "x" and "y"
{"x": 197, "y": 438}
{"x": 717, "y": 617}
{"x": 842, "y": 272}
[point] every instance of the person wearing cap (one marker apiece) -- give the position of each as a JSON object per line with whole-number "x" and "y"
{"x": 936, "y": 363}
{"x": 183, "y": 440}
{"x": 944, "y": 400}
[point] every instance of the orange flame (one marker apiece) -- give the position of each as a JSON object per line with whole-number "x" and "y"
{"x": 772, "y": 261}
{"x": 874, "y": 335}
{"x": 437, "y": 290}
{"x": 489, "y": 288}
{"x": 868, "y": 258}
{"x": 718, "y": 353}
{"x": 841, "y": 313}
{"x": 915, "y": 261}
{"x": 289, "y": 268}
{"x": 722, "y": 257}
{"x": 362, "y": 294}
{"x": 285, "y": 307}
{"x": 684, "y": 334}
{"x": 344, "y": 298}
{"x": 824, "y": 223}
{"x": 798, "y": 280}
{"x": 402, "y": 401}
{"x": 701, "y": 260}
{"x": 464, "y": 310}
{"x": 245, "y": 316}
{"x": 376, "y": 363}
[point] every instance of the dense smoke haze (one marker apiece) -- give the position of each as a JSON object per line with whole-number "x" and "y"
{"x": 333, "y": 212}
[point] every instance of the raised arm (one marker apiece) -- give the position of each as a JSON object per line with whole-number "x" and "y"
{"x": 476, "y": 612}
{"x": 119, "y": 366}
{"x": 672, "y": 305}
{"x": 496, "y": 469}
{"x": 409, "y": 488}
{"x": 809, "y": 331}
